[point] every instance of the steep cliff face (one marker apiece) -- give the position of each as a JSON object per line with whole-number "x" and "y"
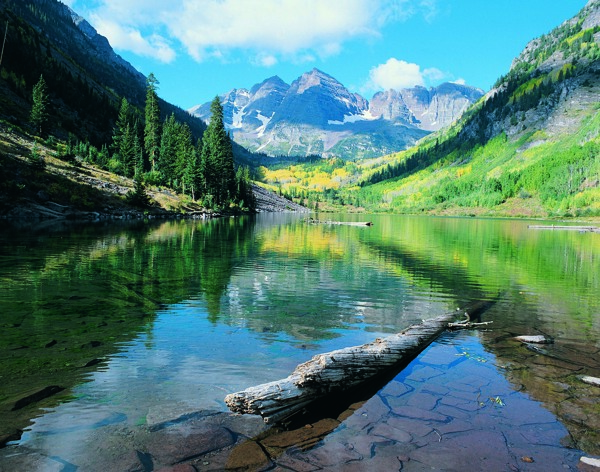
{"x": 551, "y": 85}
{"x": 437, "y": 107}
{"x": 316, "y": 114}
{"x": 101, "y": 48}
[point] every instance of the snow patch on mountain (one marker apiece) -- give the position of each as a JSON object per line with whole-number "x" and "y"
{"x": 366, "y": 115}
{"x": 317, "y": 114}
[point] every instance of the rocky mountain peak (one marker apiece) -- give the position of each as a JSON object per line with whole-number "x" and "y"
{"x": 271, "y": 85}
{"x": 314, "y": 78}
{"x": 318, "y": 114}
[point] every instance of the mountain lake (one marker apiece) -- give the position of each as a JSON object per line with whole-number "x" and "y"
{"x": 120, "y": 340}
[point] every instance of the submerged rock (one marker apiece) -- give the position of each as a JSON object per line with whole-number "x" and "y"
{"x": 248, "y": 456}
{"x": 589, "y": 464}
{"x": 536, "y": 339}
{"x": 591, "y": 380}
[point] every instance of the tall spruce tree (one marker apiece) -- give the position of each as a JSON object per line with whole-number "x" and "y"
{"x": 165, "y": 163}
{"x": 127, "y": 151}
{"x": 123, "y": 121}
{"x": 39, "y": 110}
{"x": 152, "y": 132}
{"x": 192, "y": 175}
{"x": 217, "y": 158}
{"x": 184, "y": 153}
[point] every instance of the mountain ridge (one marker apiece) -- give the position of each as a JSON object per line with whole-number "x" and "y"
{"x": 316, "y": 114}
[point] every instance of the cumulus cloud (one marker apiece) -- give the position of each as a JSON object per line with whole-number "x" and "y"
{"x": 131, "y": 39}
{"x": 267, "y": 29}
{"x": 434, "y": 75}
{"x": 398, "y": 74}
{"x": 395, "y": 74}
{"x": 277, "y": 27}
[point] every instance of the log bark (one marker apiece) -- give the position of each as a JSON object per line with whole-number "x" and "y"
{"x": 336, "y": 371}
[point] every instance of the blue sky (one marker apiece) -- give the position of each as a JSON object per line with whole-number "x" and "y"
{"x": 200, "y": 48}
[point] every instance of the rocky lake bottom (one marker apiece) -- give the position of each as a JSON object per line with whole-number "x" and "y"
{"x": 451, "y": 409}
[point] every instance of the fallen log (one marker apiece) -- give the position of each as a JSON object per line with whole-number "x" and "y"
{"x": 581, "y": 229}
{"x": 340, "y": 370}
{"x": 346, "y": 223}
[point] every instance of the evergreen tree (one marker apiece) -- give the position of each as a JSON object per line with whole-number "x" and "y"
{"x": 217, "y": 158}
{"x": 39, "y": 110}
{"x": 123, "y": 121}
{"x": 138, "y": 156}
{"x": 192, "y": 176}
{"x": 127, "y": 151}
{"x": 165, "y": 164}
{"x": 184, "y": 153}
{"x": 152, "y": 114}
{"x": 245, "y": 196}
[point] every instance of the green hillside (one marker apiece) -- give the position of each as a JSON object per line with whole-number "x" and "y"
{"x": 529, "y": 147}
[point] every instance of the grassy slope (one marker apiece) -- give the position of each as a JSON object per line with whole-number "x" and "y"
{"x": 542, "y": 152}
{"x": 527, "y": 175}
{"x": 80, "y": 188}
{"x": 530, "y": 148}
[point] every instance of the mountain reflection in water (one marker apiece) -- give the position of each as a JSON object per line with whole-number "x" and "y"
{"x": 177, "y": 314}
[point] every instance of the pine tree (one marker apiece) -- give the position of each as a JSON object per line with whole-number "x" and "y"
{"x": 192, "y": 176}
{"x": 245, "y": 196}
{"x": 39, "y": 110}
{"x": 152, "y": 114}
{"x": 138, "y": 156}
{"x": 184, "y": 153}
{"x": 127, "y": 151}
{"x": 166, "y": 156}
{"x": 217, "y": 158}
{"x": 120, "y": 126}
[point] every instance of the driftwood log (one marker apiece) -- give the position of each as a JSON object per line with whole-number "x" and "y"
{"x": 581, "y": 229}
{"x": 346, "y": 223}
{"x": 336, "y": 371}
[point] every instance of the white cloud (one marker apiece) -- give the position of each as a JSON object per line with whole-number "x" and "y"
{"x": 430, "y": 9}
{"x": 267, "y": 29}
{"x": 265, "y": 60}
{"x": 131, "y": 39}
{"x": 277, "y": 27}
{"x": 395, "y": 74}
{"x": 459, "y": 81}
{"x": 434, "y": 75}
{"x": 398, "y": 74}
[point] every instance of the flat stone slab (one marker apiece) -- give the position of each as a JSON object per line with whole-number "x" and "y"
{"x": 248, "y": 456}
{"x": 171, "y": 448}
{"x": 302, "y": 436}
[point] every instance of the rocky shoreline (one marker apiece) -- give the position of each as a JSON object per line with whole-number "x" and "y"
{"x": 43, "y": 208}
{"x": 36, "y": 184}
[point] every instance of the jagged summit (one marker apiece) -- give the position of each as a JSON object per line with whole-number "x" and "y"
{"x": 318, "y": 114}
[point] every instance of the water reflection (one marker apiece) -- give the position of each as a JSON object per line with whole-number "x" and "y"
{"x": 181, "y": 313}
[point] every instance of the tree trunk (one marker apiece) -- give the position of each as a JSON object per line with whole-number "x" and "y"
{"x": 340, "y": 370}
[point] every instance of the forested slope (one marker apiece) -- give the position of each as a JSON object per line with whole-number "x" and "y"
{"x": 529, "y": 147}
